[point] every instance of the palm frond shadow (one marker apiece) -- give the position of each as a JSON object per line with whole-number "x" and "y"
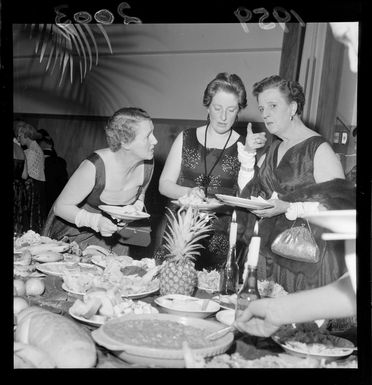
{"x": 90, "y": 90}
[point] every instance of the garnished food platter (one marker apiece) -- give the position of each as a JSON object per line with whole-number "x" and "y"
{"x": 313, "y": 344}
{"x": 156, "y": 339}
{"x": 57, "y": 269}
{"x": 136, "y": 295}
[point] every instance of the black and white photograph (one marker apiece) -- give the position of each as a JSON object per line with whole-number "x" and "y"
{"x": 185, "y": 187}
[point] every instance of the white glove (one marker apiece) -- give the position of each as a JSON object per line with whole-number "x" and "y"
{"x": 247, "y": 161}
{"x": 301, "y": 209}
{"x": 92, "y": 220}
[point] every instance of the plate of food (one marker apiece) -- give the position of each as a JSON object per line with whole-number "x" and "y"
{"x": 98, "y": 307}
{"x": 158, "y": 339}
{"x": 208, "y": 280}
{"x": 268, "y": 289}
{"x": 57, "y": 269}
{"x": 338, "y": 221}
{"x": 250, "y": 204}
{"x": 197, "y": 199}
{"x": 128, "y": 265}
{"x": 131, "y": 292}
{"x": 184, "y": 305}
{"x": 312, "y": 343}
{"x": 129, "y": 213}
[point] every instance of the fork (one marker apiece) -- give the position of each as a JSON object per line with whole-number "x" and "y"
{"x": 220, "y": 333}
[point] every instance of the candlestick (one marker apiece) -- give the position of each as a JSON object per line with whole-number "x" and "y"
{"x": 233, "y": 230}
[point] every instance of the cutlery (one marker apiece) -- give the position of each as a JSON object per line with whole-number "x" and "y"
{"x": 220, "y": 333}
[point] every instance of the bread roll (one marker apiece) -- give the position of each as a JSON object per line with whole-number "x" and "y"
{"x": 67, "y": 343}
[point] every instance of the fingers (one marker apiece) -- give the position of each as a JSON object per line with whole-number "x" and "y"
{"x": 249, "y": 129}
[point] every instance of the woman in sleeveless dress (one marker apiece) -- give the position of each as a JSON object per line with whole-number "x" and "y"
{"x": 206, "y": 158}
{"x": 35, "y": 183}
{"x": 118, "y": 175}
{"x": 299, "y": 174}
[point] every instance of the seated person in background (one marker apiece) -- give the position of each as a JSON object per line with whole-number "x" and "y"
{"x": 118, "y": 175}
{"x": 203, "y": 161}
{"x": 298, "y": 174}
{"x": 55, "y": 169}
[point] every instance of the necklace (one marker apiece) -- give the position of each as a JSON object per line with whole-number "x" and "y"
{"x": 206, "y": 180}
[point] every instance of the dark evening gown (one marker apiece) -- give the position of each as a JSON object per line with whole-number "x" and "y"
{"x": 293, "y": 180}
{"x": 20, "y": 217}
{"x": 58, "y": 228}
{"x": 223, "y": 181}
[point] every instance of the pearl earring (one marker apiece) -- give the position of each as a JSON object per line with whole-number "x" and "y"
{"x": 291, "y": 117}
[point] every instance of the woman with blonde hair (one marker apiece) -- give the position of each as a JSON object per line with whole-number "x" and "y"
{"x": 117, "y": 175}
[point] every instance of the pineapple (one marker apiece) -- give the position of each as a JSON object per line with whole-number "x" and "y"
{"x": 185, "y": 229}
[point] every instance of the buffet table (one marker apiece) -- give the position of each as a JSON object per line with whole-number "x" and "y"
{"x": 59, "y": 301}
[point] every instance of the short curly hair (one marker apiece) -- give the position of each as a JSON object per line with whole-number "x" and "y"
{"x": 228, "y": 83}
{"x": 292, "y": 90}
{"x": 121, "y": 127}
{"x": 27, "y": 130}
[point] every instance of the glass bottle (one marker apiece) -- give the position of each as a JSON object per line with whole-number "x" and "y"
{"x": 248, "y": 292}
{"x": 229, "y": 275}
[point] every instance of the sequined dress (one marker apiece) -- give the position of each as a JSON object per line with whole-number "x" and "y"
{"x": 223, "y": 180}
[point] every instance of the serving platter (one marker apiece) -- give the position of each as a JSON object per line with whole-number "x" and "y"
{"x": 119, "y": 212}
{"x": 58, "y": 268}
{"x": 113, "y": 336}
{"x": 184, "y": 305}
{"x": 243, "y": 202}
{"x": 342, "y": 348}
{"x": 131, "y": 296}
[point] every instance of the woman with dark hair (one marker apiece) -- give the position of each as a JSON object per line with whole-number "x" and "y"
{"x": 118, "y": 175}
{"x": 35, "y": 183}
{"x": 204, "y": 160}
{"x": 299, "y": 174}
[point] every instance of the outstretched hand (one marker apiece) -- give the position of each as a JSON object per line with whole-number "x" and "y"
{"x": 254, "y": 141}
{"x": 256, "y": 320}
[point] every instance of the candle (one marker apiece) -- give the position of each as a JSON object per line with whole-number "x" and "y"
{"x": 233, "y": 230}
{"x": 253, "y": 250}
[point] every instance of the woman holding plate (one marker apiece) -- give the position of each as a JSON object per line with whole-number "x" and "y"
{"x": 204, "y": 161}
{"x": 118, "y": 175}
{"x": 299, "y": 174}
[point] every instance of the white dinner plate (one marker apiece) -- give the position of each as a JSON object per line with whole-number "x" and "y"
{"x": 184, "y": 305}
{"x": 338, "y": 221}
{"x": 226, "y": 317}
{"x": 95, "y": 320}
{"x": 200, "y": 206}
{"x": 245, "y": 203}
{"x": 119, "y": 212}
{"x": 343, "y": 348}
{"x": 131, "y": 296}
{"x": 57, "y": 268}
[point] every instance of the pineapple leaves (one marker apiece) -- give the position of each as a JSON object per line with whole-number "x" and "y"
{"x": 184, "y": 231}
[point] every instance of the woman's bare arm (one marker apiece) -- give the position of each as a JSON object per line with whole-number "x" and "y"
{"x": 168, "y": 179}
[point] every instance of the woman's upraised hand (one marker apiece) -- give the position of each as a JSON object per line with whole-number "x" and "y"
{"x": 254, "y": 141}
